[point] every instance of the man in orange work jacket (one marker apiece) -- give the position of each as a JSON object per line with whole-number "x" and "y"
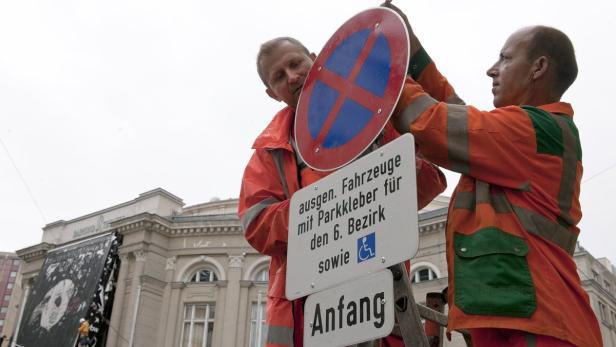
{"x": 275, "y": 172}
{"x": 512, "y": 221}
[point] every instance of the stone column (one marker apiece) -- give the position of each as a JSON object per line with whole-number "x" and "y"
{"x": 115, "y": 324}
{"x": 175, "y": 307}
{"x": 166, "y": 303}
{"x": 129, "y": 325}
{"x": 27, "y": 285}
{"x": 244, "y": 310}
{"x": 232, "y": 300}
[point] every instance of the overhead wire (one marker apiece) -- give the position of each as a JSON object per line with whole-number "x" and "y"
{"x": 600, "y": 173}
{"x": 23, "y": 180}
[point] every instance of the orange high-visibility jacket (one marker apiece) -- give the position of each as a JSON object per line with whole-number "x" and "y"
{"x": 512, "y": 223}
{"x": 270, "y": 179}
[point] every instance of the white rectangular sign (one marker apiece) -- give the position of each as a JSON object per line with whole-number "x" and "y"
{"x": 358, "y": 220}
{"x": 357, "y": 311}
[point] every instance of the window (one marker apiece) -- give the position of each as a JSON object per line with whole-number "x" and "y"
{"x": 595, "y": 276}
{"x": 607, "y": 286}
{"x": 3, "y": 309}
{"x": 7, "y": 298}
{"x": 198, "y": 325}
{"x": 258, "y": 329}
{"x": 15, "y": 261}
{"x": 262, "y": 275}
{"x": 10, "y": 285}
{"x": 204, "y": 275}
{"x": 423, "y": 274}
{"x": 13, "y": 273}
{"x": 603, "y": 311}
{"x": 1, "y": 322}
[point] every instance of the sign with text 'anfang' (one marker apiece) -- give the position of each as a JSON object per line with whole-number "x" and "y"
{"x": 353, "y": 312}
{"x": 358, "y": 220}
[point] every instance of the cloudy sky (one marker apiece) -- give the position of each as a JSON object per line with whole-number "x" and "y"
{"x": 103, "y": 100}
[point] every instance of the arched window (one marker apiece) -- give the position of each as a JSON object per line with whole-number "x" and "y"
{"x": 262, "y": 275}
{"x": 423, "y": 274}
{"x": 204, "y": 275}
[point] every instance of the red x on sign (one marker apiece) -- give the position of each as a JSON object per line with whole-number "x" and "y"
{"x": 352, "y": 89}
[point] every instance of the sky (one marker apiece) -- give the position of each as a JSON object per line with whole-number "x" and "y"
{"x": 103, "y": 100}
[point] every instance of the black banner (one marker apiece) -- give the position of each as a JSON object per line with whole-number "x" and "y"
{"x": 102, "y": 300}
{"x": 64, "y": 292}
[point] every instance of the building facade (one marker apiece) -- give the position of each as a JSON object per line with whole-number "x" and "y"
{"x": 599, "y": 279}
{"x": 189, "y": 278}
{"x": 9, "y": 289}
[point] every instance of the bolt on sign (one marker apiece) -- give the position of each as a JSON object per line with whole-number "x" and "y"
{"x": 353, "y": 312}
{"x": 358, "y": 220}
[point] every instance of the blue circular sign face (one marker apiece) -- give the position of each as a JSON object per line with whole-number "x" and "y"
{"x": 352, "y": 89}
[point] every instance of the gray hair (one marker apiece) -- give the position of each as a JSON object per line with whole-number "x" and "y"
{"x": 268, "y": 47}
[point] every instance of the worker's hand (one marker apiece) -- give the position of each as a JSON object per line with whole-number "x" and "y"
{"x": 415, "y": 44}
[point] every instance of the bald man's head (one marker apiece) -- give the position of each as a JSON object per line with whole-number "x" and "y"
{"x": 557, "y": 47}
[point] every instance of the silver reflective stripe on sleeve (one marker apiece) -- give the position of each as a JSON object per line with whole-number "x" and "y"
{"x": 569, "y": 172}
{"x": 547, "y": 229}
{"x": 532, "y": 222}
{"x": 413, "y": 111}
{"x": 457, "y": 138}
{"x": 468, "y": 200}
{"x": 277, "y": 335}
{"x": 277, "y": 157}
{"x": 482, "y": 191}
{"x": 455, "y": 99}
{"x": 254, "y": 211}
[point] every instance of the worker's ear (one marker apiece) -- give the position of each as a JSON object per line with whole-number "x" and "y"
{"x": 272, "y": 94}
{"x": 539, "y": 68}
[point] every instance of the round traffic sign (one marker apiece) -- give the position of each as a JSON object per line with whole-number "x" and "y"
{"x": 352, "y": 89}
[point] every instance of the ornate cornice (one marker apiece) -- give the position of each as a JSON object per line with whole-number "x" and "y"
{"x": 155, "y": 223}
{"x": 35, "y": 252}
{"x": 233, "y": 229}
{"x": 432, "y": 227}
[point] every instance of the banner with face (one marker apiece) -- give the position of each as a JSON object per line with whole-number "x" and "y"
{"x": 64, "y": 291}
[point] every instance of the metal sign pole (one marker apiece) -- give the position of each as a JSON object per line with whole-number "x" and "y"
{"x": 409, "y": 313}
{"x": 411, "y": 328}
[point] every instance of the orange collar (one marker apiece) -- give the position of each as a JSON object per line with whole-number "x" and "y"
{"x": 278, "y": 132}
{"x": 558, "y": 107}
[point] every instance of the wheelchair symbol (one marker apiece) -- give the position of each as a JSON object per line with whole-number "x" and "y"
{"x": 365, "y": 248}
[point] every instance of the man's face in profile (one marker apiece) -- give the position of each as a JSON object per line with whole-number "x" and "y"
{"x": 511, "y": 74}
